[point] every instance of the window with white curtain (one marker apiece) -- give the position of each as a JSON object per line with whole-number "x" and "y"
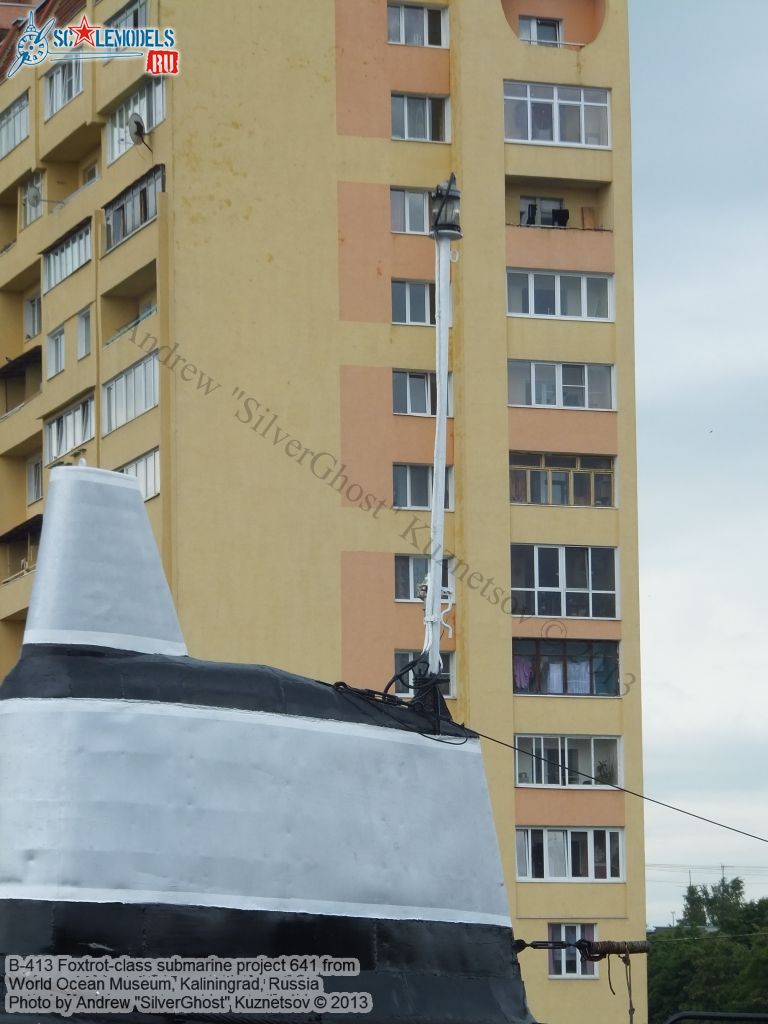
{"x": 551, "y": 293}
{"x": 33, "y": 314}
{"x": 62, "y": 83}
{"x": 84, "y": 333}
{"x": 412, "y": 25}
{"x": 409, "y": 210}
{"x": 34, "y": 479}
{"x": 145, "y": 469}
{"x": 55, "y": 352}
{"x": 14, "y": 124}
{"x": 67, "y": 256}
{"x": 420, "y": 118}
{"x": 130, "y": 393}
{"x": 68, "y": 430}
{"x": 565, "y": 854}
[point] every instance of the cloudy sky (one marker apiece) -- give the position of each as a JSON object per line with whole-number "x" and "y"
{"x": 700, "y": 145}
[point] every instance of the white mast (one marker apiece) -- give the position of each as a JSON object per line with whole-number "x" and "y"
{"x": 445, "y": 227}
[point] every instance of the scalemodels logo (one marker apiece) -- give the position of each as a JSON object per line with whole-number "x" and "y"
{"x": 155, "y": 46}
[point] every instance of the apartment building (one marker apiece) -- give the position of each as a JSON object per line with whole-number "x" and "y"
{"x": 238, "y": 311}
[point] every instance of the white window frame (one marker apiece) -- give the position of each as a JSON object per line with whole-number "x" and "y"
{"x": 557, "y": 931}
{"x": 532, "y": 25}
{"x": 557, "y": 101}
{"x": 559, "y": 402}
{"x": 62, "y": 84}
{"x": 30, "y": 213}
{"x": 430, "y": 302}
{"x": 428, "y": 99}
{"x": 410, "y": 466}
{"x": 429, "y": 378}
{"x": 124, "y": 18}
{"x": 145, "y": 469}
{"x": 418, "y": 568}
{"x": 70, "y": 429}
{"x": 68, "y": 256}
{"x": 34, "y": 479}
{"x": 422, "y": 195}
{"x": 130, "y": 394}
{"x": 33, "y": 316}
{"x": 400, "y": 41}
{"x": 448, "y": 674}
{"x": 523, "y": 842}
{"x": 55, "y": 353}
{"x": 84, "y": 328}
{"x": 558, "y": 275}
{"x": 14, "y": 124}
{"x": 133, "y": 209}
{"x": 561, "y": 758}
{"x": 563, "y": 589}
{"x": 148, "y": 101}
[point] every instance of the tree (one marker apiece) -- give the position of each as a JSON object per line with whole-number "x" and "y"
{"x": 715, "y": 959}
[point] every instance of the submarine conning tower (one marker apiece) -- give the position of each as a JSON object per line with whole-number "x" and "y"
{"x": 153, "y": 804}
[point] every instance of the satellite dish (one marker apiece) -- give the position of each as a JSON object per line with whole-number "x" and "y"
{"x": 136, "y": 129}
{"x": 33, "y": 196}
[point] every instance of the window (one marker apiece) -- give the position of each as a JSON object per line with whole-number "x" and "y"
{"x": 413, "y": 302}
{"x": 536, "y": 479}
{"x": 89, "y": 174}
{"x": 34, "y": 479}
{"x": 417, "y": 26}
{"x": 546, "y": 293}
{"x": 146, "y": 470}
{"x": 412, "y": 486}
{"x": 562, "y": 854}
{"x": 84, "y": 333}
{"x": 410, "y": 573}
{"x": 447, "y": 684}
{"x": 133, "y": 208}
{"x": 560, "y": 385}
{"x": 133, "y": 15}
{"x": 420, "y": 118}
{"x": 537, "y": 211}
{"x": 567, "y": 760}
{"x": 32, "y": 316}
{"x": 575, "y": 668}
{"x": 31, "y": 196}
{"x": 568, "y": 963}
{"x": 67, "y": 256}
{"x": 149, "y": 102}
{"x": 14, "y": 124}
{"x": 566, "y": 115}
{"x": 551, "y": 580}
{"x": 414, "y": 393}
{"x": 409, "y": 210}
{"x": 69, "y": 430}
{"x": 55, "y": 352}
{"x": 540, "y": 31}
{"x": 131, "y": 393}
{"x": 62, "y": 84}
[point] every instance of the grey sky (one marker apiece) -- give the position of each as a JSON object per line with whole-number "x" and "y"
{"x": 700, "y": 153}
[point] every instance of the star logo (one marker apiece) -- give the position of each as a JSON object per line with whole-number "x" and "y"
{"x": 83, "y": 33}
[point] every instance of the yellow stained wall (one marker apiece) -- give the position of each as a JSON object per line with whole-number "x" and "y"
{"x": 270, "y": 263}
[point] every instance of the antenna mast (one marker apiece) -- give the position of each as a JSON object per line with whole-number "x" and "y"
{"x": 445, "y": 227}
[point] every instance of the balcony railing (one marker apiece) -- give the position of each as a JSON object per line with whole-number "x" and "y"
{"x": 132, "y": 325}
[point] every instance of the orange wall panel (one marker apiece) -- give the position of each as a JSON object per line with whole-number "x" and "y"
{"x": 569, "y": 807}
{"x": 369, "y": 69}
{"x": 560, "y": 249}
{"x": 582, "y": 19}
{"x": 563, "y": 430}
{"x": 566, "y": 629}
{"x": 368, "y": 451}
{"x": 365, "y": 269}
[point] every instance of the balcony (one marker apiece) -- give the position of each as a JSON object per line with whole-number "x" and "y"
{"x": 546, "y": 248}
{"x": 18, "y": 550}
{"x": 20, "y": 429}
{"x": 20, "y": 380}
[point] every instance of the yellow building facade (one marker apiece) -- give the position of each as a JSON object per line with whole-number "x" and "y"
{"x": 238, "y": 311}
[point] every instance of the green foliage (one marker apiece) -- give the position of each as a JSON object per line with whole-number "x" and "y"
{"x": 715, "y": 959}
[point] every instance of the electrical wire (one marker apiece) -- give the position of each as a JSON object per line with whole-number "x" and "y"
{"x": 623, "y": 789}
